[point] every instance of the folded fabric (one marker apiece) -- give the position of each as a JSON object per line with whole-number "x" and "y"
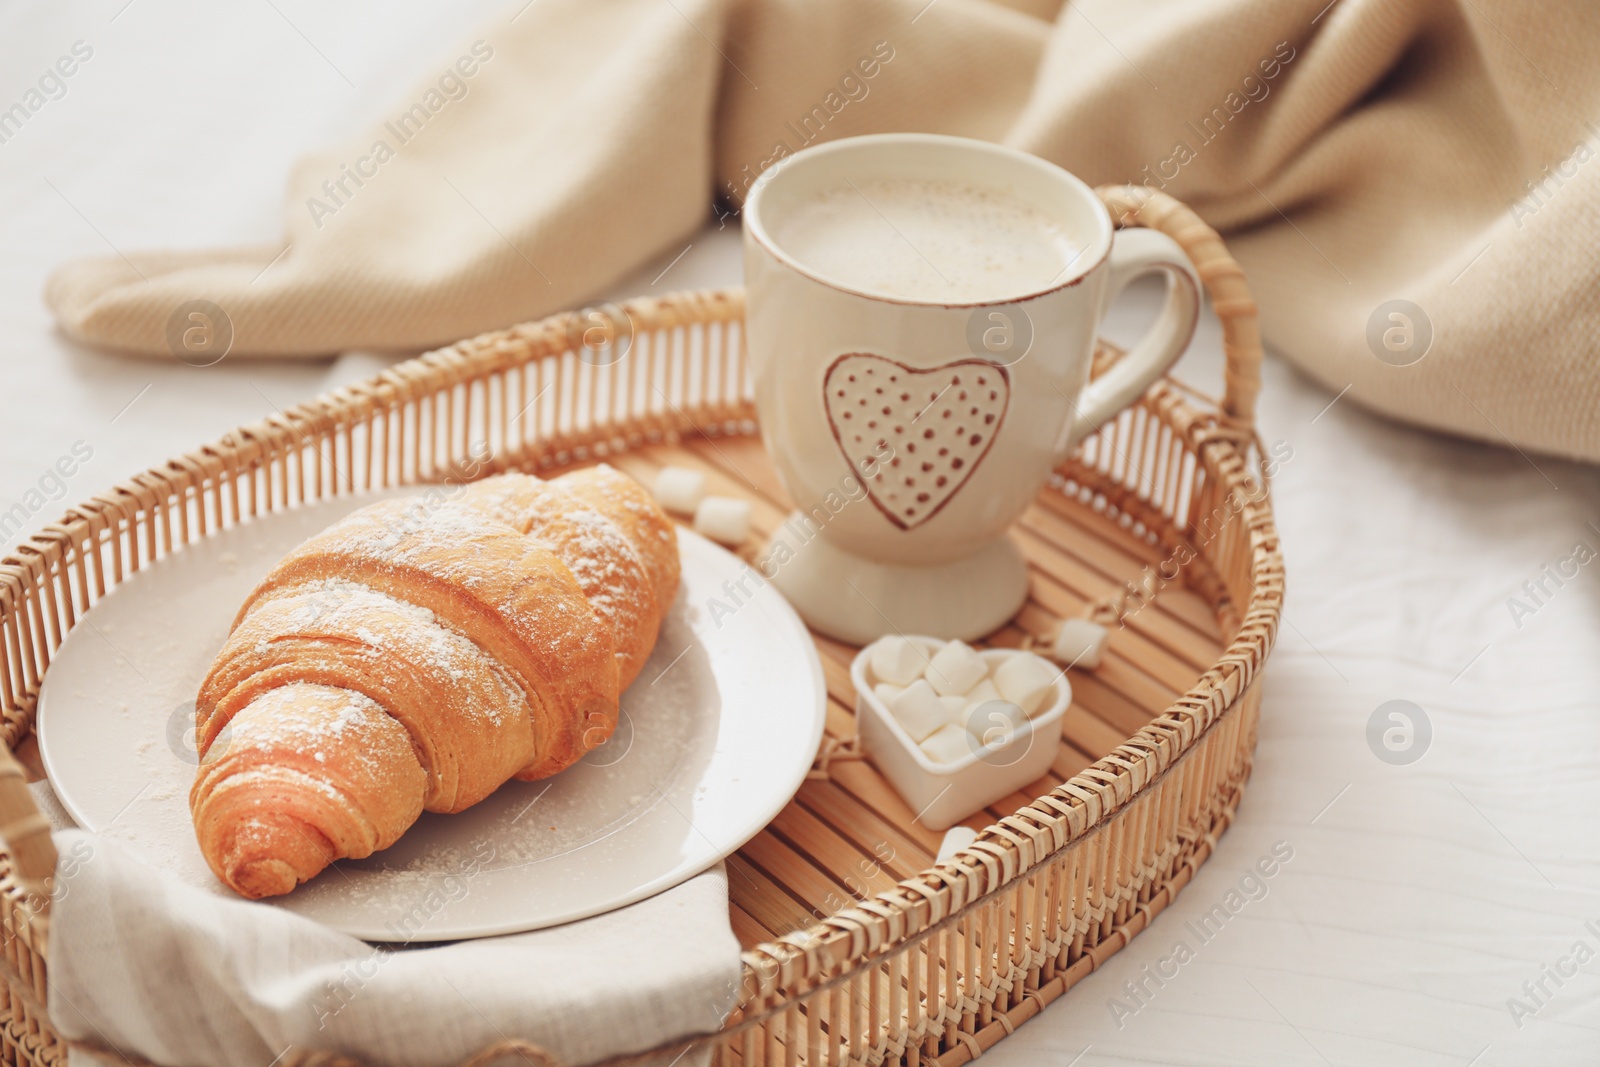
{"x": 1406, "y": 181}
{"x": 160, "y": 971}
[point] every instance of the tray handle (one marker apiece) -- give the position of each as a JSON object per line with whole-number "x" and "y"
{"x": 1220, "y": 273}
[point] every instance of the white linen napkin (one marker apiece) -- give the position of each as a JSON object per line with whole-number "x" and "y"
{"x": 162, "y": 971}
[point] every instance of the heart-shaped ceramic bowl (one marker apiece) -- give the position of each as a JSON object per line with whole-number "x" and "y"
{"x": 942, "y": 794}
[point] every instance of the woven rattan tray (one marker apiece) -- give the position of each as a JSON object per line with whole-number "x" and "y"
{"x": 857, "y": 949}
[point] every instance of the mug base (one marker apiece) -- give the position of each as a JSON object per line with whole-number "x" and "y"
{"x": 858, "y": 600}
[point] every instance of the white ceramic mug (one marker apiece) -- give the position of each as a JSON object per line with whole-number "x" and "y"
{"x": 936, "y": 559}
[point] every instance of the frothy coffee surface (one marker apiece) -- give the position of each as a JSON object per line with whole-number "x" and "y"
{"x": 929, "y": 241}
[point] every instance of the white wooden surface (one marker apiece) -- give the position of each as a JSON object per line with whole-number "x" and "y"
{"x": 1419, "y": 898}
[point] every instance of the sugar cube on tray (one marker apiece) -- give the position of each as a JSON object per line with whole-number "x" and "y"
{"x": 1079, "y": 643}
{"x": 680, "y": 489}
{"x": 723, "y": 518}
{"x": 955, "y": 839}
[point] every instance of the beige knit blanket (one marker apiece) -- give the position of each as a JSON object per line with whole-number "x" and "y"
{"x": 1410, "y": 184}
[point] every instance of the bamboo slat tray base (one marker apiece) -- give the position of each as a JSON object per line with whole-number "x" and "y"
{"x": 848, "y": 834}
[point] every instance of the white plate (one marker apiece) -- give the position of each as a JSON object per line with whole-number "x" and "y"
{"x": 716, "y": 735}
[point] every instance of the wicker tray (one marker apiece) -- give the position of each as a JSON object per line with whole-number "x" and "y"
{"x": 857, "y": 950}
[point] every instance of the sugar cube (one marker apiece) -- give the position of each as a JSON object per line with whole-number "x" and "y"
{"x": 680, "y": 489}
{"x": 886, "y": 693}
{"x": 993, "y": 722}
{"x": 1079, "y": 643}
{"x": 723, "y": 518}
{"x": 982, "y": 692}
{"x": 955, "y": 669}
{"x": 1027, "y": 681}
{"x": 948, "y": 744}
{"x": 955, "y": 839}
{"x": 897, "y": 660}
{"x": 918, "y": 710}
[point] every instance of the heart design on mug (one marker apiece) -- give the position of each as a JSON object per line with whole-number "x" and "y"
{"x": 914, "y": 436}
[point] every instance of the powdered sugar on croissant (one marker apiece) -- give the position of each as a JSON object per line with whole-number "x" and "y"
{"x": 414, "y": 657}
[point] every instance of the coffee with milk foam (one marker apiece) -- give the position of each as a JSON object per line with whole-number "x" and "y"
{"x": 928, "y": 241}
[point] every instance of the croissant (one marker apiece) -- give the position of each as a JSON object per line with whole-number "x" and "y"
{"x": 414, "y": 657}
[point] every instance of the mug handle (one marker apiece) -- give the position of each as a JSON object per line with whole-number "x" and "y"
{"x": 1135, "y": 253}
